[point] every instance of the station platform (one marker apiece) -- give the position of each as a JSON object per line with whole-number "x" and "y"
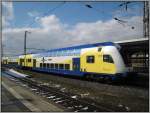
{"x": 16, "y": 98}
{"x": 11, "y": 104}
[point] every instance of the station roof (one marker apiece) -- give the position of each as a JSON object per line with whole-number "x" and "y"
{"x": 134, "y": 45}
{"x": 133, "y": 41}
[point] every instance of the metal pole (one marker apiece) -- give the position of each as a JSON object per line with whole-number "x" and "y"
{"x": 25, "y": 48}
{"x": 25, "y": 38}
{"x": 2, "y": 47}
{"x": 146, "y": 19}
{"x": 2, "y": 55}
{"x": 147, "y": 14}
{"x": 25, "y": 42}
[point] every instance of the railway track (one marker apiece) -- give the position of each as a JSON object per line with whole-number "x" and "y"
{"x": 137, "y": 81}
{"x": 71, "y": 102}
{"x": 133, "y": 80}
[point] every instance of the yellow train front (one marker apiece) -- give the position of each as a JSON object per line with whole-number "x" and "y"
{"x": 100, "y": 60}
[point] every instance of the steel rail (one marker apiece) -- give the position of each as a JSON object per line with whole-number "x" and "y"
{"x": 75, "y": 104}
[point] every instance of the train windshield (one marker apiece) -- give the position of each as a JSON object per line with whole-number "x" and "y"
{"x": 108, "y": 58}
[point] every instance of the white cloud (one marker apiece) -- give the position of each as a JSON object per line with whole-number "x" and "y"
{"x": 4, "y": 22}
{"x": 9, "y": 9}
{"x": 107, "y": 31}
{"x": 7, "y": 14}
{"x": 54, "y": 34}
{"x": 51, "y": 23}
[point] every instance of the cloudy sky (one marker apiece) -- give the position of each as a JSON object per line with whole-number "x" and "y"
{"x": 63, "y": 24}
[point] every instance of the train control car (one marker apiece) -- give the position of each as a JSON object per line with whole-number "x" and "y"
{"x": 4, "y": 60}
{"x": 10, "y": 61}
{"x": 101, "y": 60}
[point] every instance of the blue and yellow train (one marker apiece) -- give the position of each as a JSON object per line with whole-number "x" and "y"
{"x": 101, "y": 60}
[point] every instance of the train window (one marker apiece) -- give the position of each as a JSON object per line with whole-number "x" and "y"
{"x": 44, "y": 64}
{"x": 29, "y": 60}
{"x": 90, "y": 59}
{"x": 67, "y": 66}
{"x": 52, "y": 66}
{"x": 40, "y": 64}
{"x": 56, "y": 66}
{"x": 47, "y": 65}
{"x": 108, "y": 58}
{"x": 61, "y": 66}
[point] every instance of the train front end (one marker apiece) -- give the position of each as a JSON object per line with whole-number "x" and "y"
{"x": 112, "y": 55}
{"x": 104, "y": 61}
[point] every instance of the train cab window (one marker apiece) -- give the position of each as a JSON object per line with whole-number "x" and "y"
{"x": 61, "y": 66}
{"x": 40, "y": 64}
{"x": 67, "y": 66}
{"x": 52, "y": 66}
{"x": 108, "y": 58}
{"x": 56, "y": 66}
{"x": 90, "y": 59}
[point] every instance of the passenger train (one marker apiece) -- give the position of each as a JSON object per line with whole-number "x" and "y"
{"x": 100, "y": 60}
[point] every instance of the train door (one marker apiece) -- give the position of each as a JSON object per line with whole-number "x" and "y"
{"x": 34, "y": 62}
{"x": 5, "y": 62}
{"x": 21, "y": 62}
{"x": 76, "y": 64}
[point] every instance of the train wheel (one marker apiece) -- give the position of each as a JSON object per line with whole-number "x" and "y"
{"x": 87, "y": 77}
{"x": 108, "y": 80}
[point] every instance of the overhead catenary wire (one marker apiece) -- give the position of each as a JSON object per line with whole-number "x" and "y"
{"x": 38, "y": 49}
{"x": 44, "y": 14}
{"x": 97, "y": 10}
{"x": 120, "y": 21}
{"x": 126, "y": 4}
{"x": 110, "y": 13}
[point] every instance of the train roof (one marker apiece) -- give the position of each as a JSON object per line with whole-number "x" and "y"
{"x": 84, "y": 46}
{"x": 76, "y": 47}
